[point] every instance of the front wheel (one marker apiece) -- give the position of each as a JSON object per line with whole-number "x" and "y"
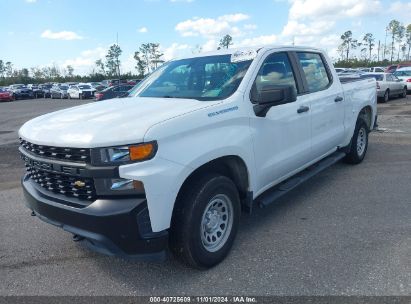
{"x": 359, "y": 143}
{"x": 205, "y": 221}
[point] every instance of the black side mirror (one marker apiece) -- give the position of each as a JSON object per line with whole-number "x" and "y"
{"x": 271, "y": 95}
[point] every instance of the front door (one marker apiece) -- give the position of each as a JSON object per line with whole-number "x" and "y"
{"x": 281, "y": 138}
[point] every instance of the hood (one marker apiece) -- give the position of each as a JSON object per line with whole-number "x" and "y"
{"x": 106, "y": 123}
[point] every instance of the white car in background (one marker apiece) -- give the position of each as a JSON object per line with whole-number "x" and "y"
{"x": 405, "y": 75}
{"x": 389, "y": 85}
{"x": 80, "y": 91}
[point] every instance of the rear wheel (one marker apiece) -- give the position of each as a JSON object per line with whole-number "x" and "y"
{"x": 386, "y": 97}
{"x": 404, "y": 93}
{"x": 359, "y": 143}
{"x": 205, "y": 221}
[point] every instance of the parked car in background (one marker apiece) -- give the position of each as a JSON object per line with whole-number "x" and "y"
{"x": 37, "y": 91}
{"x": 5, "y": 95}
{"x": 20, "y": 91}
{"x": 392, "y": 68}
{"x": 46, "y": 89}
{"x": 113, "y": 92}
{"x": 405, "y": 75}
{"x": 80, "y": 91}
{"x": 388, "y": 86}
{"x": 113, "y": 82}
{"x": 133, "y": 81}
{"x": 339, "y": 70}
{"x": 59, "y": 91}
{"x": 377, "y": 70}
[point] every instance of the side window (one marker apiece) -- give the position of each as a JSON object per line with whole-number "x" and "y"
{"x": 379, "y": 70}
{"x": 276, "y": 70}
{"x": 389, "y": 78}
{"x": 315, "y": 71}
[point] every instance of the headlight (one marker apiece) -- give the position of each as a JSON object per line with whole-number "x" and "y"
{"x": 128, "y": 154}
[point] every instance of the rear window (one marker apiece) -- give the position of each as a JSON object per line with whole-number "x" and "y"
{"x": 402, "y": 73}
{"x": 315, "y": 71}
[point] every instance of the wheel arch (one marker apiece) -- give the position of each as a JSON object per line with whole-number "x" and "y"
{"x": 231, "y": 166}
{"x": 367, "y": 114}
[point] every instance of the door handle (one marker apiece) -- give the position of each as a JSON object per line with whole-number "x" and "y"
{"x": 303, "y": 109}
{"x": 338, "y": 99}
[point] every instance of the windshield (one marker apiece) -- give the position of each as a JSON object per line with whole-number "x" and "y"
{"x": 84, "y": 87}
{"x": 202, "y": 78}
{"x": 403, "y": 73}
{"x": 63, "y": 87}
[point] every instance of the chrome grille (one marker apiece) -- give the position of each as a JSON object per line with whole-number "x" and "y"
{"x": 69, "y": 154}
{"x": 63, "y": 184}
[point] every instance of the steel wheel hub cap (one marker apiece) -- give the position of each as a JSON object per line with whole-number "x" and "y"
{"x": 216, "y": 223}
{"x": 361, "y": 141}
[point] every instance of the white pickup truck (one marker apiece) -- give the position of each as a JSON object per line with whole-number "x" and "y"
{"x": 201, "y": 139}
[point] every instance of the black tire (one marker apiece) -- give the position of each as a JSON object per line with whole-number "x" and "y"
{"x": 189, "y": 231}
{"x": 357, "y": 153}
{"x": 386, "y": 97}
{"x": 404, "y": 93}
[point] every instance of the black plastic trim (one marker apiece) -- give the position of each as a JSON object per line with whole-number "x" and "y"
{"x": 109, "y": 225}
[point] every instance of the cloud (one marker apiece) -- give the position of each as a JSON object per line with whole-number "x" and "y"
{"x": 211, "y": 28}
{"x": 63, "y": 35}
{"x": 175, "y": 50}
{"x": 234, "y": 17}
{"x": 250, "y": 27}
{"x": 294, "y": 28}
{"x": 332, "y": 9}
{"x": 210, "y": 45}
{"x": 142, "y": 30}
{"x": 31, "y": 1}
{"x": 257, "y": 41}
{"x": 187, "y": 1}
{"x": 85, "y": 62}
{"x": 400, "y": 8}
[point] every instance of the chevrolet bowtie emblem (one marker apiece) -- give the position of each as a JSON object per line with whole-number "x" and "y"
{"x": 79, "y": 184}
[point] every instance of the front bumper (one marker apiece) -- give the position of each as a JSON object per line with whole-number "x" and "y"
{"x": 119, "y": 227}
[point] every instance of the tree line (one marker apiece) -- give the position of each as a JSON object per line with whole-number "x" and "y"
{"x": 359, "y": 52}
{"x": 353, "y": 52}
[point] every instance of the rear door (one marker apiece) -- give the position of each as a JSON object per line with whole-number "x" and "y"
{"x": 326, "y": 99}
{"x": 282, "y": 138}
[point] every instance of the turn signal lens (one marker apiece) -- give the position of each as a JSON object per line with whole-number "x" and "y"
{"x": 142, "y": 152}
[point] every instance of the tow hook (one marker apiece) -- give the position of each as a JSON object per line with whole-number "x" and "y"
{"x": 77, "y": 238}
{"x": 33, "y": 213}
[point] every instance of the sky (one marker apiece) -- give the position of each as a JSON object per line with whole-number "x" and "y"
{"x": 38, "y": 33}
